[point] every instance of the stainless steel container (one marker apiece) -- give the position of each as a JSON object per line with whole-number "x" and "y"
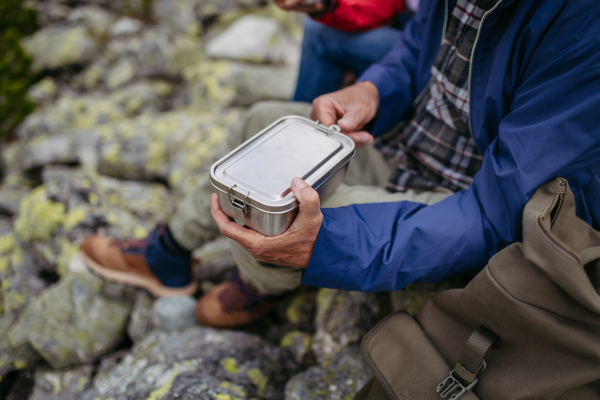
{"x": 253, "y": 182}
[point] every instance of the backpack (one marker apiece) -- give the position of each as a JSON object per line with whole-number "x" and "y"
{"x": 526, "y": 327}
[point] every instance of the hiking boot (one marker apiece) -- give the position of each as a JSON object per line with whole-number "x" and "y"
{"x": 232, "y": 304}
{"x": 157, "y": 263}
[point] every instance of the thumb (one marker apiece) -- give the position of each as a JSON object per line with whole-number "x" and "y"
{"x": 349, "y": 122}
{"x": 308, "y": 198}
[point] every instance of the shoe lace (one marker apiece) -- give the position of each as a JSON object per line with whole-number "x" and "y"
{"x": 238, "y": 296}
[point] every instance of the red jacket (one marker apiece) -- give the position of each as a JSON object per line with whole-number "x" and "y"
{"x": 360, "y": 15}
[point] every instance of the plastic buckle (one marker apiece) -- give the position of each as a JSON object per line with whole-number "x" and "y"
{"x": 452, "y": 385}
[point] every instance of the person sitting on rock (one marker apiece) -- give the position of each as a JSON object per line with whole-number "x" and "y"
{"x": 477, "y": 105}
{"x": 344, "y": 36}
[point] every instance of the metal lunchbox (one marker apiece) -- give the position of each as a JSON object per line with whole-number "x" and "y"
{"x": 253, "y": 182}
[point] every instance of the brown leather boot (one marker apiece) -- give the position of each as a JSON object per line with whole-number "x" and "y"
{"x": 130, "y": 261}
{"x": 232, "y": 304}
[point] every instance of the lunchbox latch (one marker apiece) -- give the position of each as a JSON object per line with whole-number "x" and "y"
{"x": 327, "y": 129}
{"x": 240, "y": 209}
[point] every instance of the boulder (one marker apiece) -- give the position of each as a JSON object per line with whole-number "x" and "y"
{"x": 174, "y": 313}
{"x": 199, "y": 362}
{"x": 176, "y": 147}
{"x": 343, "y": 318}
{"x": 20, "y": 282}
{"x": 126, "y": 26}
{"x": 298, "y": 343}
{"x": 43, "y": 91}
{"x": 65, "y": 384}
{"x": 80, "y": 113}
{"x": 140, "y": 323}
{"x": 61, "y": 46}
{"x": 96, "y": 19}
{"x": 73, "y": 322}
{"x": 252, "y": 38}
{"x": 340, "y": 379}
{"x": 10, "y": 197}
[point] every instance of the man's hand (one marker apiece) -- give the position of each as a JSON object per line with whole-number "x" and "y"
{"x": 351, "y": 108}
{"x": 293, "y": 248}
{"x": 296, "y": 5}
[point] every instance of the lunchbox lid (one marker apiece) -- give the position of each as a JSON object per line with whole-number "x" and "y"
{"x": 259, "y": 172}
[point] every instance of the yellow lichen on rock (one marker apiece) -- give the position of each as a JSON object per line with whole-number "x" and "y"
{"x": 259, "y": 379}
{"x": 39, "y": 217}
{"x": 231, "y": 365}
{"x": 235, "y": 388}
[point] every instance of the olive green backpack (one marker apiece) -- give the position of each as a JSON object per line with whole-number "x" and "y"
{"x": 526, "y": 327}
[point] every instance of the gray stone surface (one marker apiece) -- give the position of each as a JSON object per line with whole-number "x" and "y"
{"x": 73, "y": 322}
{"x": 251, "y": 38}
{"x": 60, "y": 46}
{"x": 140, "y": 322}
{"x": 96, "y": 19}
{"x": 298, "y": 343}
{"x": 196, "y": 361}
{"x": 340, "y": 379}
{"x": 173, "y": 313}
{"x": 65, "y": 384}
{"x": 125, "y": 26}
{"x": 343, "y": 318}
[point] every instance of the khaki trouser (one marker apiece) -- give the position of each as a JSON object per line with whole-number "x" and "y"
{"x": 193, "y": 225}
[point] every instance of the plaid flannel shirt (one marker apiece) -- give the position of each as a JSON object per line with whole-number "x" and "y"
{"x": 434, "y": 146}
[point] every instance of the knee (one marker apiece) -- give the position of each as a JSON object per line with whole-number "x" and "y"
{"x": 313, "y": 36}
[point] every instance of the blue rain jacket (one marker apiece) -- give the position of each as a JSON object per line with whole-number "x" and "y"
{"x": 535, "y": 115}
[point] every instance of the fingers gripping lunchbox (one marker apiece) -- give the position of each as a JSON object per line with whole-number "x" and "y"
{"x": 253, "y": 182}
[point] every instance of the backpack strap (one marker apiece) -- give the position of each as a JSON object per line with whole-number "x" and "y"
{"x": 593, "y": 270}
{"x": 470, "y": 362}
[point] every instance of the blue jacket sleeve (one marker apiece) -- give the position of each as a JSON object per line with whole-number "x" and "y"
{"x": 551, "y": 130}
{"x": 395, "y": 76}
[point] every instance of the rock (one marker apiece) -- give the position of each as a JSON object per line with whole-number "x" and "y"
{"x": 156, "y": 53}
{"x": 177, "y": 16}
{"x": 251, "y": 38}
{"x": 73, "y": 322}
{"x": 300, "y": 310}
{"x": 255, "y": 83}
{"x": 43, "y": 91}
{"x": 341, "y": 379}
{"x": 126, "y": 26}
{"x": 60, "y": 46}
{"x": 215, "y": 260}
{"x": 20, "y": 282}
{"x": 203, "y": 362}
{"x": 71, "y": 112}
{"x": 175, "y": 147}
{"x": 343, "y": 318}
{"x": 61, "y": 384}
{"x": 173, "y": 313}
{"x": 48, "y": 12}
{"x": 121, "y": 73}
{"x": 298, "y": 343}
{"x": 10, "y": 197}
{"x": 96, "y": 19}
{"x": 140, "y": 322}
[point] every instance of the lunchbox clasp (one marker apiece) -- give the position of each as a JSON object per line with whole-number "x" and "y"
{"x": 240, "y": 209}
{"x": 327, "y": 129}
